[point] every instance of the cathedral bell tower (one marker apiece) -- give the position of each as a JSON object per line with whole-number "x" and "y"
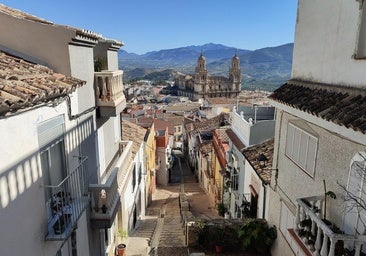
{"x": 201, "y": 74}
{"x": 235, "y": 73}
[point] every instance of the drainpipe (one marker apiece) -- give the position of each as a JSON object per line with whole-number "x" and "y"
{"x": 264, "y": 200}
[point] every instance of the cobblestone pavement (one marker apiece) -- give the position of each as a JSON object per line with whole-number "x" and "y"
{"x": 161, "y": 231}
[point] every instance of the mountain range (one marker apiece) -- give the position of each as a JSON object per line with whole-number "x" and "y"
{"x": 266, "y": 68}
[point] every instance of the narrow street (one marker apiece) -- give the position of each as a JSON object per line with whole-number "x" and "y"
{"x": 161, "y": 231}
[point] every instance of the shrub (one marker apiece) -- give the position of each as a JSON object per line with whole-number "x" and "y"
{"x": 257, "y": 235}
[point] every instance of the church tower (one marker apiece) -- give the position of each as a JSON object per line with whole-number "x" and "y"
{"x": 235, "y": 73}
{"x": 201, "y": 75}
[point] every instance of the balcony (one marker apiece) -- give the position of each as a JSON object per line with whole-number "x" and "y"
{"x": 109, "y": 92}
{"x": 105, "y": 201}
{"x": 105, "y": 197}
{"x": 320, "y": 238}
{"x": 66, "y": 203}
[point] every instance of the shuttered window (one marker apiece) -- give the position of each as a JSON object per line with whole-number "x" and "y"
{"x": 51, "y": 130}
{"x": 301, "y": 148}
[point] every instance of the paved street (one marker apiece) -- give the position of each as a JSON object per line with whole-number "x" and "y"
{"x": 161, "y": 232}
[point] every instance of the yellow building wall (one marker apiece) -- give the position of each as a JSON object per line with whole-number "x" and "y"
{"x": 150, "y": 154}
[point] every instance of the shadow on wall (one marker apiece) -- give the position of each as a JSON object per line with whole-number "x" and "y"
{"x": 16, "y": 179}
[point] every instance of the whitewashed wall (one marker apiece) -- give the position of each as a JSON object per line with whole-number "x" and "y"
{"x": 327, "y": 30}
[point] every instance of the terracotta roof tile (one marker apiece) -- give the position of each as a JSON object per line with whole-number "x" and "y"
{"x": 222, "y": 135}
{"x": 208, "y": 124}
{"x": 175, "y": 120}
{"x": 144, "y": 122}
{"x": 160, "y": 125}
{"x": 22, "y": 15}
{"x": 133, "y": 132}
{"x": 338, "y": 104}
{"x": 24, "y": 84}
{"x": 253, "y": 152}
{"x": 205, "y": 147}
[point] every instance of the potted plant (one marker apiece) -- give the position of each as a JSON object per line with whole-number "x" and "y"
{"x": 199, "y": 229}
{"x": 327, "y": 194}
{"x": 257, "y": 235}
{"x": 218, "y": 235}
{"x": 221, "y": 208}
{"x": 121, "y": 247}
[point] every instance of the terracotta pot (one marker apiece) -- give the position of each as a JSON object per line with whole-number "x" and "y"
{"x": 121, "y": 250}
{"x": 219, "y": 248}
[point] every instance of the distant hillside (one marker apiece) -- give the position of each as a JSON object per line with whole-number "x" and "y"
{"x": 266, "y": 68}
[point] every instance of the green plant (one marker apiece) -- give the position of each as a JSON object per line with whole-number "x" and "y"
{"x": 257, "y": 234}
{"x": 199, "y": 225}
{"x": 330, "y": 194}
{"x": 221, "y": 208}
{"x": 199, "y": 228}
{"x": 218, "y": 235}
{"x": 100, "y": 64}
{"x": 122, "y": 234}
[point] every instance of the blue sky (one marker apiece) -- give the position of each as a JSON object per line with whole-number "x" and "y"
{"x": 146, "y": 25}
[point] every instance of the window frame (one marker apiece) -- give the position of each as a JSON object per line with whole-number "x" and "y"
{"x": 302, "y": 137}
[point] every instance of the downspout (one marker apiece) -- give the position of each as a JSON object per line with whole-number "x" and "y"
{"x": 264, "y": 200}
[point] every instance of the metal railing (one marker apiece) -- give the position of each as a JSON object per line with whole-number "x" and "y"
{"x": 105, "y": 199}
{"x": 66, "y": 202}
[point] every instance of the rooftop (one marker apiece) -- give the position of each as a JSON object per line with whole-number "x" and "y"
{"x": 262, "y": 150}
{"x": 205, "y": 147}
{"x": 208, "y": 124}
{"x": 24, "y": 84}
{"x": 341, "y": 105}
{"x": 133, "y": 132}
{"x": 80, "y": 32}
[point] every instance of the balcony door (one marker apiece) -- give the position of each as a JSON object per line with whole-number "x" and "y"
{"x": 355, "y": 217}
{"x": 53, "y": 162}
{"x": 53, "y": 165}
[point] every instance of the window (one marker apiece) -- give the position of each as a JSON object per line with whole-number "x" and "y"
{"x": 53, "y": 166}
{"x": 140, "y": 174}
{"x": 134, "y": 178}
{"x": 53, "y": 163}
{"x": 355, "y": 196}
{"x": 234, "y": 180}
{"x": 301, "y": 147}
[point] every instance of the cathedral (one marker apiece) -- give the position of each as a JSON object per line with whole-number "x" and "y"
{"x": 202, "y": 85}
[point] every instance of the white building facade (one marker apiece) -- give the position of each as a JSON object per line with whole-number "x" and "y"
{"x": 59, "y": 176}
{"x": 250, "y": 126}
{"x": 320, "y": 134}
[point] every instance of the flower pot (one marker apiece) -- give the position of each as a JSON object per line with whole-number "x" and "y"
{"x": 219, "y": 248}
{"x": 121, "y": 250}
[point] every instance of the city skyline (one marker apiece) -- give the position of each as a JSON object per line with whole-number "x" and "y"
{"x": 146, "y": 26}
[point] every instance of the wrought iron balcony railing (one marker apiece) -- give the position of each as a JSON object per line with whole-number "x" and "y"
{"x": 105, "y": 197}
{"x": 66, "y": 203}
{"x": 105, "y": 201}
